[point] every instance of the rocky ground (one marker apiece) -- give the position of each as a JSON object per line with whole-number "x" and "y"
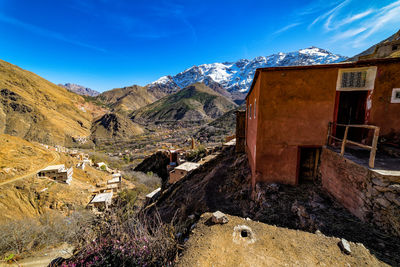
{"x": 223, "y": 184}
{"x": 243, "y": 242}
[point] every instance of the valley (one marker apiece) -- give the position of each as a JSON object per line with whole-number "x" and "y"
{"x": 132, "y": 175}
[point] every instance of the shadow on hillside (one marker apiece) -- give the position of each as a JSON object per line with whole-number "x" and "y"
{"x": 223, "y": 184}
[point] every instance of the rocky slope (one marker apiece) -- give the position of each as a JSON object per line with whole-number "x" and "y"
{"x": 79, "y": 89}
{"x": 30, "y": 197}
{"x": 371, "y": 49}
{"x": 127, "y": 99}
{"x": 18, "y": 156}
{"x": 115, "y": 126}
{"x": 236, "y": 77}
{"x": 36, "y": 109}
{"x": 218, "y": 129}
{"x": 196, "y": 102}
{"x": 223, "y": 183}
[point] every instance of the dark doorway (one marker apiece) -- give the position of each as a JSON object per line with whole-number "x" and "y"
{"x": 308, "y": 163}
{"x": 351, "y": 110}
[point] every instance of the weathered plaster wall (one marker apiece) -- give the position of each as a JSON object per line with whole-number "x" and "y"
{"x": 369, "y": 195}
{"x": 384, "y": 114}
{"x": 251, "y": 128}
{"x": 295, "y": 108}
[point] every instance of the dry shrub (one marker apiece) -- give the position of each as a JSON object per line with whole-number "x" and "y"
{"x": 52, "y": 228}
{"x": 150, "y": 179}
{"x": 128, "y": 242}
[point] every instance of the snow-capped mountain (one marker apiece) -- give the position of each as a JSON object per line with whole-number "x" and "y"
{"x": 237, "y": 76}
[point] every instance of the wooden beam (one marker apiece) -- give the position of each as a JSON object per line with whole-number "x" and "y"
{"x": 373, "y": 150}
{"x": 344, "y": 141}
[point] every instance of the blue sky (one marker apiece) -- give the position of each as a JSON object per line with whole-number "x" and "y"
{"x": 104, "y": 44}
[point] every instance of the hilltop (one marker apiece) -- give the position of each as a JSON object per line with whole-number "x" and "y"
{"x": 114, "y": 125}
{"x": 36, "y": 109}
{"x": 196, "y": 102}
{"x": 127, "y": 99}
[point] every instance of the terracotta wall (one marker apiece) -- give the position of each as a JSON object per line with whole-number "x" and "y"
{"x": 294, "y": 107}
{"x": 294, "y": 110}
{"x": 383, "y": 113}
{"x": 251, "y": 128}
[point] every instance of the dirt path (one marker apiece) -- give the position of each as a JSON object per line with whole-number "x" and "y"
{"x": 56, "y": 157}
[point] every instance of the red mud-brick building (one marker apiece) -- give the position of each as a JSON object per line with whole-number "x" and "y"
{"x": 289, "y": 109}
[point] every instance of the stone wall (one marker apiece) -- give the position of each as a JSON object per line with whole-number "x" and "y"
{"x": 371, "y": 195}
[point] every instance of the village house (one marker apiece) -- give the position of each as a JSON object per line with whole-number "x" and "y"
{"x": 115, "y": 184}
{"x": 57, "y": 172}
{"x": 101, "y": 201}
{"x": 101, "y": 164}
{"x": 180, "y": 171}
{"x": 149, "y": 196}
{"x": 303, "y": 119}
{"x": 81, "y": 165}
{"x": 385, "y": 49}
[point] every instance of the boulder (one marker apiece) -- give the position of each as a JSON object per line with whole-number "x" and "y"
{"x": 345, "y": 246}
{"x": 379, "y": 182}
{"x": 219, "y": 218}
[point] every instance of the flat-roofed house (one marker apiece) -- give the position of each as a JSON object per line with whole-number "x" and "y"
{"x": 182, "y": 170}
{"x": 288, "y": 110}
{"x": 102, "y": 200}
{"x": 153, "y": 193}
{"x": 115, "y": 183}
{"x": 57, "y": 172}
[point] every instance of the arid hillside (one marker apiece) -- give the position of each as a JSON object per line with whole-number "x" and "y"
{"x": 36, "y": 109}
{"x": 25, "y": 195}
{"x": 127, "y": 99}
{"x": 196, "y": 102}
{"x": 18, "y": 157}
{"x": 116, "y": 126}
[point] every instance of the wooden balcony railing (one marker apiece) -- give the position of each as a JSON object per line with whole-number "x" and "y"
{"x": 345, "y": 140}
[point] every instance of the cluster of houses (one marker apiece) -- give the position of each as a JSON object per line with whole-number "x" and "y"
{"x": 179, "y": 167}
{"x": 102, "y": 198}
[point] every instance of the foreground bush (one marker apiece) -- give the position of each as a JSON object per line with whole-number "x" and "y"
{"x": 128, "y": 242}
{"x": 29, "y": 234}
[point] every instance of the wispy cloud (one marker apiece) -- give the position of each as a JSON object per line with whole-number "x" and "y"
{"x": 329, "y": 14}
{"x": 286, "y": 28}
{"x": 348, "y": 34}
{"x": 353, "y": 22}
{"x": 47, "y": 33}
{"x": 387, "y": 15}
{"x": 345, "y": 21}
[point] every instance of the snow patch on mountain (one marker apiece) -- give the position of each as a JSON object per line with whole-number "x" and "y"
{"x": 237, "y": 76}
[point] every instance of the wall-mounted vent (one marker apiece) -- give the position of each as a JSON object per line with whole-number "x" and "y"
{"x": 395, "y": 95}
{"x": 356, "y": 79}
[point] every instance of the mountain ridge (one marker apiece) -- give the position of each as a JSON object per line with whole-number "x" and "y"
{"x": 79, "y": 89}
{"x": 236, "y": 77}
{"x": 195, "y": 102}
{"x": 37, "y": 110}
